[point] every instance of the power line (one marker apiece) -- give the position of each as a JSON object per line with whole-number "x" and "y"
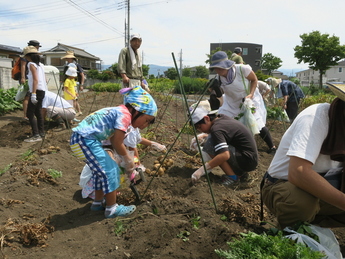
{"x": 93, "y": 17}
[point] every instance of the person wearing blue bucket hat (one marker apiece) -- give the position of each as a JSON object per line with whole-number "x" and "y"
{"x": 239, "y": 82}
{"x": 112, "y": 124}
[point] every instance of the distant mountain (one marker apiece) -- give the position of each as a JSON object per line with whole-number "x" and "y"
{"x": 154, "y": 69}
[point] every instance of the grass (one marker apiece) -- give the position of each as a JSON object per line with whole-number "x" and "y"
{"x": 5, "y": 169}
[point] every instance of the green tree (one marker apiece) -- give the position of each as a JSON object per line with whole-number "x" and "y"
{"x": 320, "y": 51}
{"x": 270, "y": 63}
{"x": 146, "y": 69}
{"x": 171, "y": 73}
{"x": 113, "y": 68}
{"x": 209, "y": 56}
{"x": 187, "y": 72}
{"x": 201, "y": 72}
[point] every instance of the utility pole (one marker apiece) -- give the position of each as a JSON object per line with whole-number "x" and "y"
{"x": 126, "y": 4}
{"x": 181, "y": 63}
{"x": 128, "y": 27}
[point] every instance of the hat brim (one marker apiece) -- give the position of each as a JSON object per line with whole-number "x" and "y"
{"x": 225, "y": 64}
{"x": 338, "y": 89}
{"x": 69, "y": 56}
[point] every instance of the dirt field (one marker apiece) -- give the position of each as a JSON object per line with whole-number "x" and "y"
{"x": 45, "y": 218}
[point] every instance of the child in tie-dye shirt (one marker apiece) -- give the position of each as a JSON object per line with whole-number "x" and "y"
{"x": 112, "y": 123}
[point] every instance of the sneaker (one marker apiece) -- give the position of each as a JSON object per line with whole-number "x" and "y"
{"x": 272, "y": 150}
{"x": 76, "y": 120}
{"x": 122, "y": 211}
{"x": 33, "y": 139}
{"x": 228, "y": 180}
{"x": 61, "y": 127}
{"x": 98, "y": 207}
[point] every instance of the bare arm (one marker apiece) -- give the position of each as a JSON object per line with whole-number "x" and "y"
{"x": 219, "y": 159}
{"x": 22, "y": 71}
{"x": 117, "y": 142}
{"x": 35, "y": 78}
{"x": 303, "y": 176}
{"x": 145, "y": 142}
{"x": 253, "y": 84}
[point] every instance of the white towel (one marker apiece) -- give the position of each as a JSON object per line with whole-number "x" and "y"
{"x": 133, "y": 59}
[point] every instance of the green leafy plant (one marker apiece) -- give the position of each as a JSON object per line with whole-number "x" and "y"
{"x": 224, "y": 218}
{"x": 7, "y": 101}
{"x": 106, "y": 87}
{"x": 28, "y": 155}
{"x": 195, "y": 222}
{"x": 265, "y": 246}
{"x": 5, "y": 169}
{"x": 54, "y": 173}
{"x": 119, "y": 228}
{"x": 184, "y": 235}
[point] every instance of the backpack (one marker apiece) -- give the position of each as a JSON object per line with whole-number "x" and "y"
{"x": 16, "y": 74}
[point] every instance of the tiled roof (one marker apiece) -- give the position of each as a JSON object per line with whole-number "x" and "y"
{"x": 77, "y": 52}
{"x": 10, "y": 48}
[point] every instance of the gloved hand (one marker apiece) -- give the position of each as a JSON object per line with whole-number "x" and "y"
{"x": 158, "y": 147}
{"x": 33, "y": 98}
{"x": 201, "y": 139}
{"x": 200, "y": 172}
{"x": 129, "y": 165}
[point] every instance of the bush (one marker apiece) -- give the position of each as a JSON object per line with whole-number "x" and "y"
{"x": 318, "y": 98}
{"x": 105, "y": 87}
{"x": 191, "y": 85}
{"x": 7, "y": 101}
{"x": 161, "y": 85}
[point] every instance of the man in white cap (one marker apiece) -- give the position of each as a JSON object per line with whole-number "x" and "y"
{"x": 305, "y": 180}
{"x": 130, "y": 64}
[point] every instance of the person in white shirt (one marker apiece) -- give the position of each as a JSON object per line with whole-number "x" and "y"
{"x": 303, "y": 181}
{"x": 37, "y": 87}
{"x": 58, "y": 109}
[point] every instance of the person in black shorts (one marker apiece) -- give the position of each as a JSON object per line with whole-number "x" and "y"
{"x": 230, "y": 145}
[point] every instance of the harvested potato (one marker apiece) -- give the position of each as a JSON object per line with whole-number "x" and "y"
{"x": 160, "y": 171}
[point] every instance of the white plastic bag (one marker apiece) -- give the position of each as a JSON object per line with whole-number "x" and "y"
{"x": 284, "y": 116}
{"x": 85, "y": 176}
{"x": 328, "y": 243}
{"x": 248, "y": 118}
{"x": 22, "y": 90}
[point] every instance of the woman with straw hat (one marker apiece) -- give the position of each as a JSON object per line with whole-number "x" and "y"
{"x": 304, "y": 180}
{"x": 37, "y": 88}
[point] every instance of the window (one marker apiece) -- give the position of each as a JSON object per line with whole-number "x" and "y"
{"x": 340, "y": 70}
{"x": 245, "y": 51}
{"x": 56, "y": 62}
{"x": 258, "y": 50}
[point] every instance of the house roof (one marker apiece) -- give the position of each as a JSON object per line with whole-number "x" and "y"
{"x": 10, "y": 49}
{"x": 62, "y": 48}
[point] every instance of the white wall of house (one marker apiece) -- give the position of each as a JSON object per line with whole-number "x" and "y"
{"x": 334, "y": 74}
{"x": 6, "y": 81}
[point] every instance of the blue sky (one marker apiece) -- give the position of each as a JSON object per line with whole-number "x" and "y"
{"x": 170, "y": 26}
